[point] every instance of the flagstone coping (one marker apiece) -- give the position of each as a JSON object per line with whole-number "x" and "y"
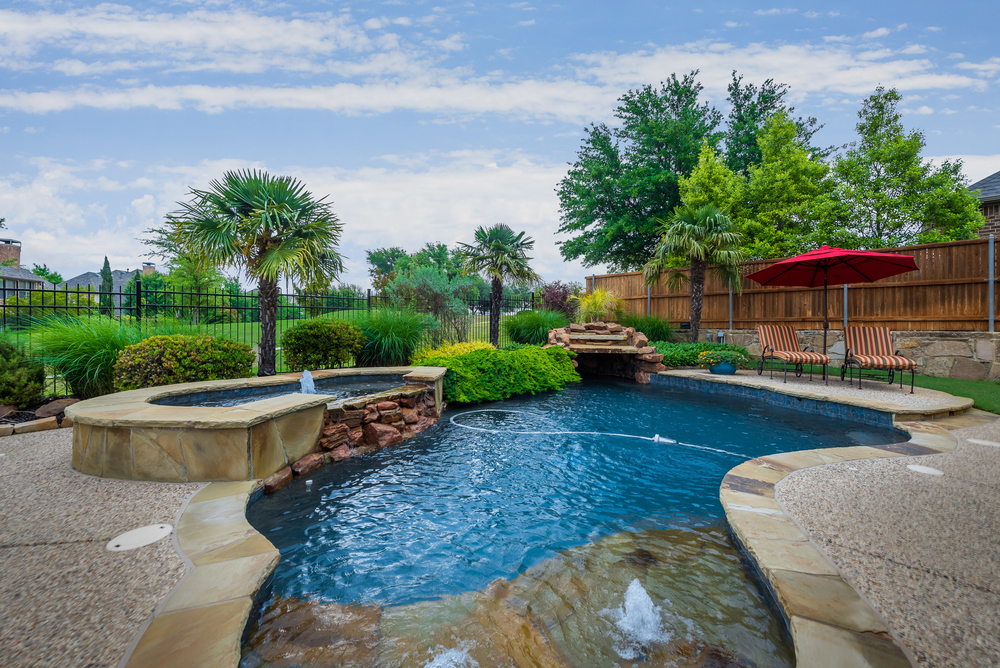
{"x": 831, "y": 624}
{"x": 949, "y": 405}
{"x": 126, "y": 436}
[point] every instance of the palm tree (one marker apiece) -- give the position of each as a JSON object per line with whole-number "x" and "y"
{"x": 701, "y": 237}
{"x": 498, "y": 254}
{"x": 266, "y": 226}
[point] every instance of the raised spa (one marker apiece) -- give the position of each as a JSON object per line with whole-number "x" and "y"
{"x": 560, "y": 530}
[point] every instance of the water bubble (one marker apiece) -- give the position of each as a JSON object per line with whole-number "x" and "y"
{"x": 456, "y": 657}
{"x": 638, "y": 623}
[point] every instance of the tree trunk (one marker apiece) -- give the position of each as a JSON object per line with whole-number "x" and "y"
{"x": 697, "y": 295}
{"x": 267, "y": 301}
{"x": 496, "y": 293}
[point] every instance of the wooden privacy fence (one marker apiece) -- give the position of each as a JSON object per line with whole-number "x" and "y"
{"x": 950, "y": 292}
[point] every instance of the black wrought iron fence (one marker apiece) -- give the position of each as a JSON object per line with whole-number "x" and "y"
{"x": 231, "y": 314}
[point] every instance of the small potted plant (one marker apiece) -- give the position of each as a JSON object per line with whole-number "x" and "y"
{"x": 722, "y": 361}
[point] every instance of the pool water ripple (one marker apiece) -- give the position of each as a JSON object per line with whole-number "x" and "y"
{"x": 466, "y": 536}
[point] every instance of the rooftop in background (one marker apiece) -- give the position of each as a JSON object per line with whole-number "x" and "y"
{"x": 19, "y": 274}
{"x": 989, "y": 188}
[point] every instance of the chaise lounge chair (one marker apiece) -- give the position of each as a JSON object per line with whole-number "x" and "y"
{"x": 779, "y": 342}
{"x": 871, "y": 348}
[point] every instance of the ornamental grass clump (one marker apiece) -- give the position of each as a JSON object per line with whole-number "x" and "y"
{"x": 449, "y": 350}
{"x": 713, "y": 357}
{"x": 165, "y": 360}
{"x": 655, "y": 329}
{"x": 84, "y": 350}
{"x": 532, "y": 327}
{"x": 599, "y": 306}
{"x": 392, "y": 336}
{"x": 321, "y": 344}
{"x": 494, "y": 375}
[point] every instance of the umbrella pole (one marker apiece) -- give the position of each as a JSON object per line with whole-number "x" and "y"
{"x": 826, "y": 326}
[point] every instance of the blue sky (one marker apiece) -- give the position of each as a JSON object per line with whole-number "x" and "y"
{"x": 421, "y": 120}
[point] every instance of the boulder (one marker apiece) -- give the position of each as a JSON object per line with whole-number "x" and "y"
{"x": 948, "y": 349}
{"x": 629, "y": 331}
{"x": 356, "y": 437}
{"x": 352, "y": 418}
{"x": 593, "y": 326}
{"x": 386, "y": 406}
{"x": 984, "y": 351}
{"x": 967, "y": 369}
{"x": 340, "y": 454}
{"x": 334, "y": 436}
{"x": 278, "y": 480}
{"x": 54, "y": 407}
{"x": 7, "y": 410}
{"x": 642, "y": 377}
{"x": 647, "y": 350}
{"x": 410, "y": 415}
{"x": 652, "y": 357}
{"x": 370, "y": 415}
{"x": 615, "y": 328}
{"x": 381, "y": 435}
{"x": 307, "y": 464}
{"x": 576, "y": 328}
{"x": 407, "y": 402}
{"x": 640, "y": 340}
{"x": 390, "y": 415}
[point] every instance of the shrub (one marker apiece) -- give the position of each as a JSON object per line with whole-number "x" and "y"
{"x": 165, "y": 360}
{"x": 391, "y": 336}
{"x": 713, "y": 357}
{"x": 493, "y": 375}
{"x": 655, "y": 329}
{"x": 555, "y": 296}
{"x": 84, "y": 350}
{"x": 532, "y": 327}
{"x": 21, "y": 379}
{"x": 321, "y": 344}
{"x": 599, "y": 305}
{"x": 449, "y": 350}
{"x": 430, "y": 290}
{"x": 686, "y": 354}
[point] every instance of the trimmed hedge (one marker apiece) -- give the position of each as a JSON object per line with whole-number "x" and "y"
{"x": 321, "y": 343}
{"x": 21, "y": 380}
{"x": 165, "y": 360}
{"x": 493, "y": 375}
{"x": 686, "y": 354}
{"x": 449, "y": 350}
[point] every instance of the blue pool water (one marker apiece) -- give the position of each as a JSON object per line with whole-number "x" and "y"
{"x": 341, "y": 387}
{"x": 564, "y": 487}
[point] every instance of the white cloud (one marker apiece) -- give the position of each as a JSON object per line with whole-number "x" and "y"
{"x": 836, "y": 38}
{"x": 985, "y": 68}
{"x": 811, "y": 15}
{"x": 932, "y": 28}
{"x": 947, "y": 112}
{"x": 775, "y": 10}
{"x": 914, "y": 49}
{"x": 956, "y": 55}
{"x": 731, "y": 24}
{"x": 880, "y": 32}
{"x": 920, "y": 111}
{"x": 529, "y": 22}
{"x": 975, "y": 167}
{"x": 833, "y": 13}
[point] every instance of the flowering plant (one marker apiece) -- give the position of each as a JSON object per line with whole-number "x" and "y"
{"x": 713, "y": 357}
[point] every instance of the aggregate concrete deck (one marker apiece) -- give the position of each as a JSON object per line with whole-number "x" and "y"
{"x": 66, "y": 600}
{"x": 924, "y": 550}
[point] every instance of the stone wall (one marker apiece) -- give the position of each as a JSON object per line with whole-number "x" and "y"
{"x": 965, "y": 355}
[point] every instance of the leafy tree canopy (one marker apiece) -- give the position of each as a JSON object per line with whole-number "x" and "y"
{"x": 46, "y": 273}
{"x": 385, "y": 264}
{"x": 887, "y": 195}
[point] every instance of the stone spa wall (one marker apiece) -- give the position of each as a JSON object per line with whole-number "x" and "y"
{"x": 963, "y": 355}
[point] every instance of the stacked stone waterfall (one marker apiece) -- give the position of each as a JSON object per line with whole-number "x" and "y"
{"x": 608, "y": 349}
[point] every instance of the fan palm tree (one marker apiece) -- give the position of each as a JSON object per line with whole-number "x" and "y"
{"x": 265, "y": 226}
{"x": 700, "y": 237}
{"x": 498, "y": 254}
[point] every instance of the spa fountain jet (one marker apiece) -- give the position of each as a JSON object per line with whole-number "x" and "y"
{"x": 307, "y": 385}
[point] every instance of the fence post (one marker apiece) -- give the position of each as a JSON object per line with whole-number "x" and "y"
{"x": 991, "y": 279}
{"x": 138, "y": 299}
{"x": 845, "y": 313}
{"x": 730, "y": 304}
{"x": 369, "y": 299}
{"x": 649, "y": 301}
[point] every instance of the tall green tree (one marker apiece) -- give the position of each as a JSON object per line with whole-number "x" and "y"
{"x": 701, "y": 238}
{"x": 750, "y": 108}
{"x": 626, "y": 178}
{"x": 107, "y": 286}
{"x": 46, "y": 273}
{"x": 499, "y": 255}
{"x": 712, "y": 182}
{"x": 887, "y": 195}
{"x": 266, "y": 226}
{"x": 197, "y": 284}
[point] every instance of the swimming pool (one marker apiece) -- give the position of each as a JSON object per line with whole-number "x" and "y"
{"x": 563, "y": 529}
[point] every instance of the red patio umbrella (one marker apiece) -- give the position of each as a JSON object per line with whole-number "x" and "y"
{"x": 833, "y": 265}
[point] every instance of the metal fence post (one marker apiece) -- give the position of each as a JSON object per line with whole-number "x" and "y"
{"x": 730, "y": 304}
{"x": 138, "y": 299}
{"x": 991, "y": 279}
{"x": 845, "y": 311}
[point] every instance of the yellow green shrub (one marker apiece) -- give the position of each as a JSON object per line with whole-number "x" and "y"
{"x": 449, "y": 350}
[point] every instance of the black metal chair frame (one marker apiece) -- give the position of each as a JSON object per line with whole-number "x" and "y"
{"x": 850, "y": 363}
{"x": 798, "y": 369}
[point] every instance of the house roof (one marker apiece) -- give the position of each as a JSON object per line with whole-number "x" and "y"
{"x": 119, "y": 279}
{"x": 989, "y": 188}
{"x": 18, "y": 274}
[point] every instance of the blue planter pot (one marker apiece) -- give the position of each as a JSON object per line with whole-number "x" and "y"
{"x": 723, "y": 368}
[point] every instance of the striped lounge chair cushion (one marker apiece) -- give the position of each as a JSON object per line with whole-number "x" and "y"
{"x": 780, "y": 341}
{"x": 872, "y": 348}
